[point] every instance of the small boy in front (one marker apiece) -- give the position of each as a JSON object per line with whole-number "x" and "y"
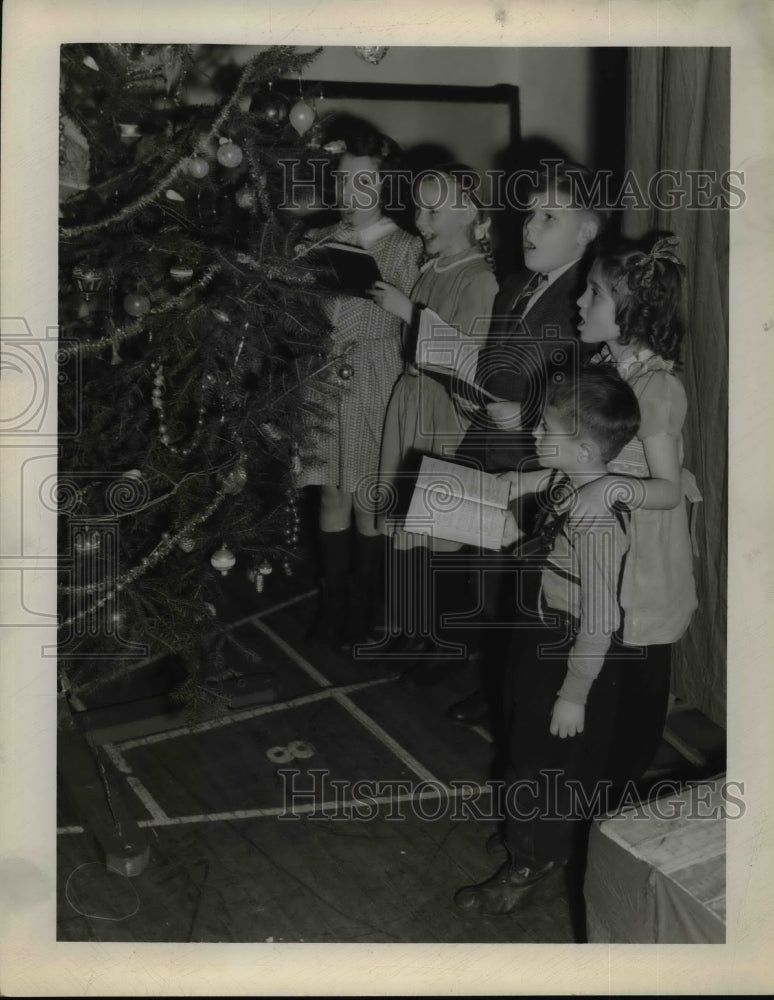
{"x": 563, "y": 685}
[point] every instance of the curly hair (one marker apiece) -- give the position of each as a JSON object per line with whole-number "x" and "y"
{"x": 645, "y": 280}
{"x": 468, "y": 182}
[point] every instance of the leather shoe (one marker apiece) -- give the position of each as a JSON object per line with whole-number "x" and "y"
{"x": 471, "y": 711}
{"x": 495, "y": 845}
{"x": 506, "y": 890}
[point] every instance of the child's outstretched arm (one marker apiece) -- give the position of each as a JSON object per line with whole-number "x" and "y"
{"x": 662, "y": 490}
{"x": 391, "y": 299}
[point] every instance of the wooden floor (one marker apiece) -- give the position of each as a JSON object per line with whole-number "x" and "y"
{"x": 230, "y": 862}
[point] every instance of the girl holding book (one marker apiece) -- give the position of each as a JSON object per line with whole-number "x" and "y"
{"x": 456, "y": 289}
{"x": 341, "y": 454}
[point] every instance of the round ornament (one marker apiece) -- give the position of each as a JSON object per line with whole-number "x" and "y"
{"x": 197, "y": 167}
{"x": 372, "y": 54}
{"x": 187, "y": 544}
{"x": 229, "y": 154}
{"x": 245, "y": 197}
{"x": 301, "y": 117}
{"x": 270, "y": 108}
{"x": 265, "y": 568}
{"x": 181, "y": 273}
{"x": 223, "y": 560}
{"x": 136, "y": 305}
{"x": 129, "y": 132}
{"x": 235, "y": 481}
{"x": 346, "y": 372}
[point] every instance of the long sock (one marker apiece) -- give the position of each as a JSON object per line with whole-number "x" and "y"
{"x": 366, "y": 593}
{"x": 335, "y": 554}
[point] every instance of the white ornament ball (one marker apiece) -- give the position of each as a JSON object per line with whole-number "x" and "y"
{"x": 301, "y": 117}
{"x": 223, "y": 560}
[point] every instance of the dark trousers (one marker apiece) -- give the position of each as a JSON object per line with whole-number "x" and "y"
{"x": 555, "y": 786}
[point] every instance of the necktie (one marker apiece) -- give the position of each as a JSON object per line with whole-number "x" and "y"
{"x": 536, "y": 282}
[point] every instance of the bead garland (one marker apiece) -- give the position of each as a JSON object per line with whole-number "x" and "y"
{"x": 157, "y": 402}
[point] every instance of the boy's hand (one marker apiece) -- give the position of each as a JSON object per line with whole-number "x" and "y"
{"x": 391, "y": 299}
{"x": 523, "y": 482}
{"x": 567, "y": 718}
{"x": 511, "y": 531}
{"x": 506, "y": 416}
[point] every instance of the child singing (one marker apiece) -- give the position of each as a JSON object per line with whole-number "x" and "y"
{"x": 631, "y": 305}
{"x": 456, "y": 288}
{"x": 367, "y": 362}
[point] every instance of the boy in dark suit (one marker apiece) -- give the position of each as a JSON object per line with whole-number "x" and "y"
{"x": 532, "y": 343}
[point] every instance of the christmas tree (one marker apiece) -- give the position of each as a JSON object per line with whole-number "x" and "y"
{"x": 188, "y": 337}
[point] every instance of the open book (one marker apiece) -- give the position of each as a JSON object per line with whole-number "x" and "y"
{"x": 459, "y": 504}
{"x": 348, "y": 269}
{"x": 451, "y": 357}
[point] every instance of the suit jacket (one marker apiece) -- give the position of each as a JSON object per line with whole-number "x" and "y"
{"x": 519, "y": 359}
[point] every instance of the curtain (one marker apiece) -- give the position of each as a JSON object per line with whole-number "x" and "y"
{"x": 678, "y": 118}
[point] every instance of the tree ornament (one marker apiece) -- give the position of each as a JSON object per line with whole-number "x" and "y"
{"x": 173, "y": 195}
{"x": 86, "y": 543}
{"x": 258, "y": 583}
{"x": 197, "y": 167}
{"x": 372, "y": 54}
{"x": 129, "y": 132}
{"x": 265, "y": 568}
{"x": 287, "y": 568}
{"x": 89, "y": 62}
{"x": 229, "y": 154}
{"x": 88, "y": 279}
{"x": 223, "y": 560}
{"x": 135, "y": 474}
{"x": 270, "y": 108}
{"x": 136, "y": 304}
{"x": 221, "y": 316}
{"x": 301, "y": 117}
{"x": 346, "y": 372}
{"x": 187, "y": 544}
{"x": 245, "y": 197}
{"x": 235, "y": 481}
{"x": 181, "y": 273}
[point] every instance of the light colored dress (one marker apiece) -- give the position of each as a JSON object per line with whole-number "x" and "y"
{"x": 422, "y": 417}
{"x": 343, "y": 448}
{"x": 658, "y": 590}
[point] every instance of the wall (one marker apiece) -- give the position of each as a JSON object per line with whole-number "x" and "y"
{"x": 555, "y": 83}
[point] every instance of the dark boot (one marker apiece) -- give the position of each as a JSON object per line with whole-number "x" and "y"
{"x": 506, "y": 890}
{"x": 367, "y": 603}
{"x": 335, "y": 553}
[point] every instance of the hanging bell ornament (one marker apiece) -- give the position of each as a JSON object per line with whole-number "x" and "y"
{"x": 229, "y": 154}
{"x": 223, "y": 560}
{"x": 372, "y": 54}
{"x": 88, "y": 279}
{"x": 301, "y": 117}
{"x": 270, "y": 108}
{"x": 197, "y": 167}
